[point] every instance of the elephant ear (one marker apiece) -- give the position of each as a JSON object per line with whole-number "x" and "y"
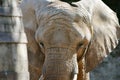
{"x": 30, "y": 24}
{"x": 35, "y": 55}
{"x": 106, "y": 31}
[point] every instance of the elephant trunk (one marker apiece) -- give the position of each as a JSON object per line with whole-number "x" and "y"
{"x": 60, "y": 64}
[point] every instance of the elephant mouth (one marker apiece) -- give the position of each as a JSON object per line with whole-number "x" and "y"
{"x": 60, "y": 64}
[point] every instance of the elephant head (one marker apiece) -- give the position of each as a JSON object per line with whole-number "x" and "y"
{"x": 68, "y": 36}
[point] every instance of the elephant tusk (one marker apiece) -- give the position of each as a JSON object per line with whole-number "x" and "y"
{"x": 75, "y": 77}
{"x": 41, "y": 77}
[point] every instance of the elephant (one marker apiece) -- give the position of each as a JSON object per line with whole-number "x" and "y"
{"x": 68, "y": 40}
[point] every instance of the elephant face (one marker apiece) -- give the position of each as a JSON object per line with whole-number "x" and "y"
{"x": 67, "y": 33}
{"x": 60, "y": 39}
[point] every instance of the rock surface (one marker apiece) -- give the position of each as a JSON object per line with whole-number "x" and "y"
{"x": 109, "y": 69}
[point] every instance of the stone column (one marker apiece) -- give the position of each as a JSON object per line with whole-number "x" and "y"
{"x": 13, "y": 49}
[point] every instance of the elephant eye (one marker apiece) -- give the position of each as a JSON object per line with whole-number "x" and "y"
{"x": 79, "y": 45}
{"x": 42, "y": 47}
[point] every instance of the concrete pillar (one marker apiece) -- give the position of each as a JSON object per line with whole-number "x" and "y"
{"x": 13, "y": 49}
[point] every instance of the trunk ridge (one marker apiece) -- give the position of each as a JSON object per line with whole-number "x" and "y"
{"x": 60, "y": 64}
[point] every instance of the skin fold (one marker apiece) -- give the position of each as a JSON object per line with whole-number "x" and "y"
{"x": 66, "y": 41}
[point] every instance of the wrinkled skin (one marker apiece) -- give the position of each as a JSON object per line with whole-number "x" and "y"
{"x": 66, "y": 41}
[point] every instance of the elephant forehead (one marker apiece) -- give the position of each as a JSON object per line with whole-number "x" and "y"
{"x": 53, "y": 11}
{"x": 56, "y": 25}
{"x": 58, "y": 35}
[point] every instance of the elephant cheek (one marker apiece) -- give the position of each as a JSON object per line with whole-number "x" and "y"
{"x": 60, "y": 64}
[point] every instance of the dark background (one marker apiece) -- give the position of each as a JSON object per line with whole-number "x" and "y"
{"x": 114, "y": 5}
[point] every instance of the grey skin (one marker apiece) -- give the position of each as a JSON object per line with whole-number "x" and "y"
{"x": 67, "y": 41}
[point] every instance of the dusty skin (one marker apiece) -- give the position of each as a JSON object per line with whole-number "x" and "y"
{"x": 67, "y": 41}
